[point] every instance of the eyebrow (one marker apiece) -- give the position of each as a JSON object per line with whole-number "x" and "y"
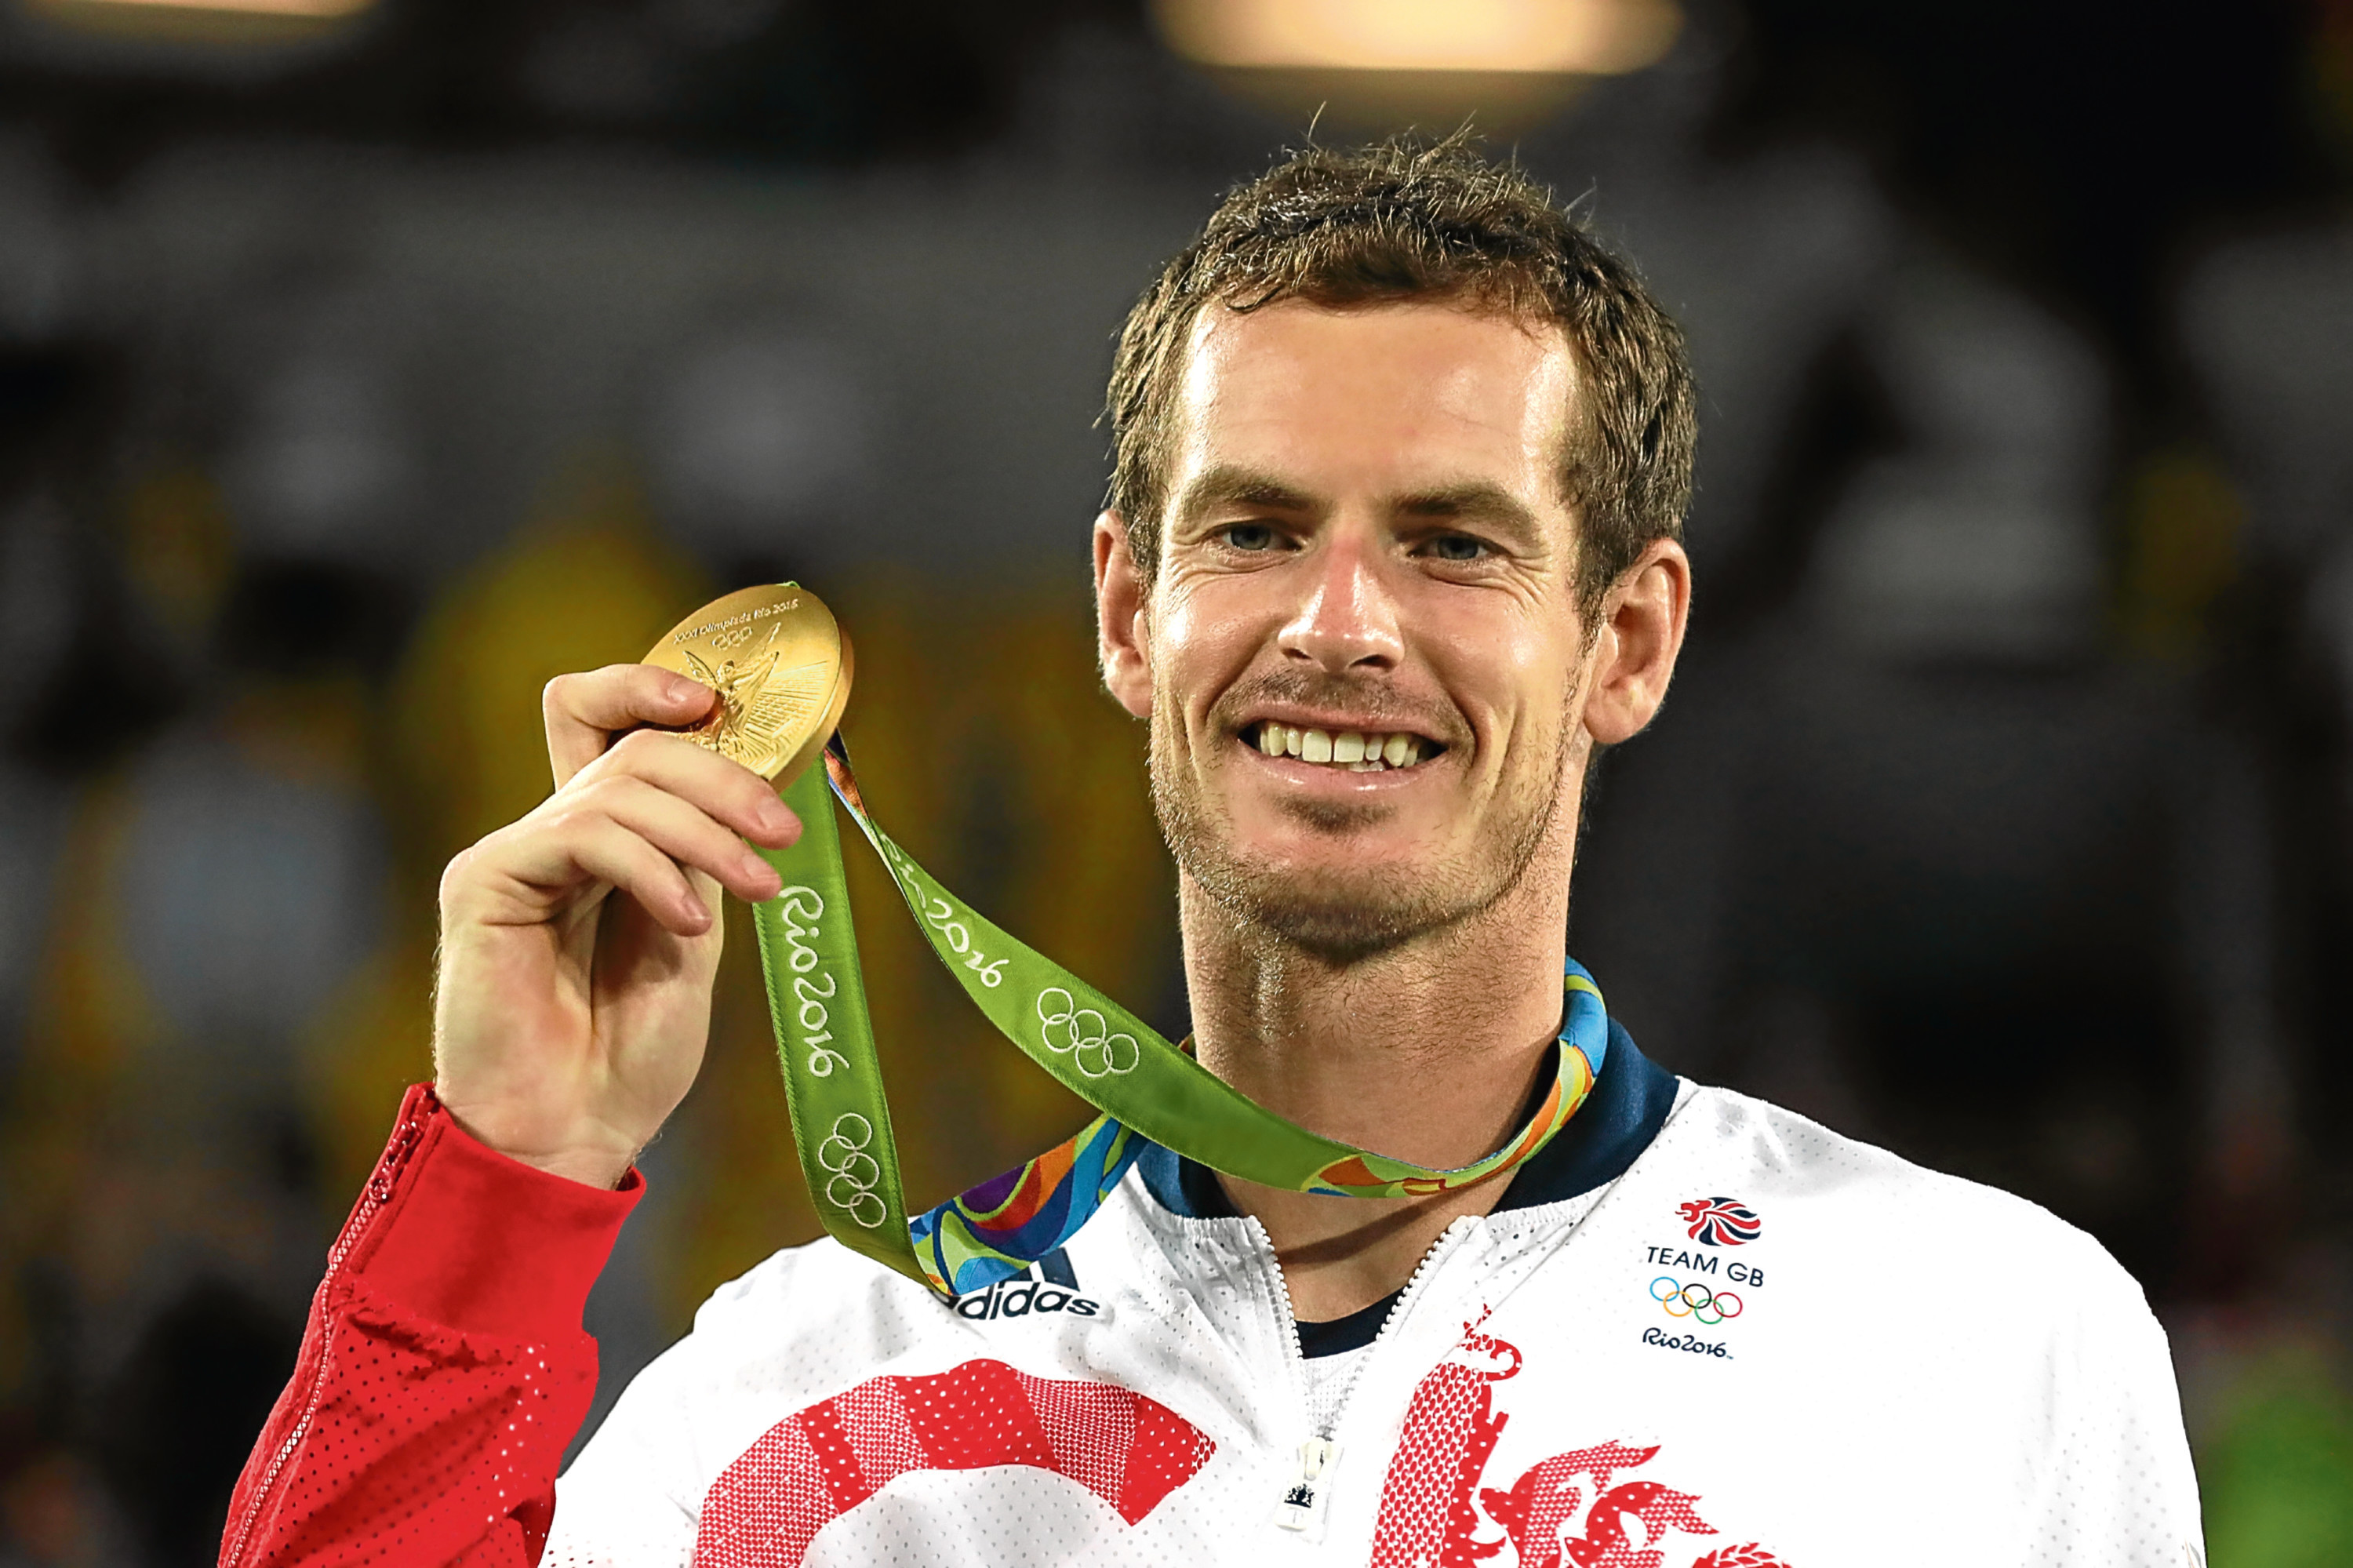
{"x": 1473, "y": 502}
{"x": 1229, "y": 484}
{"x": 1477, "y": 501}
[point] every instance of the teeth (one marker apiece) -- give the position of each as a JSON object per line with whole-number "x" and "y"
{"x": 1355, "y": 750}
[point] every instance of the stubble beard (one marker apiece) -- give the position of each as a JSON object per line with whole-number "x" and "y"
{"x": 1332, "y": 917}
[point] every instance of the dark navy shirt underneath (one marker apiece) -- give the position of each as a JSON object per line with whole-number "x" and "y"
{"x": 1628, "y": 1104}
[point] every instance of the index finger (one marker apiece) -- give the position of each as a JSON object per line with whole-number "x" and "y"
{"x": 586, "y": 711}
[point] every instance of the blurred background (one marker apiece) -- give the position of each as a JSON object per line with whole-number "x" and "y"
{"x": 364, "y": 363}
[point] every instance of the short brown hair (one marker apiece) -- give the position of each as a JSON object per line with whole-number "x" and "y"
{"x": 1413, "y": 219}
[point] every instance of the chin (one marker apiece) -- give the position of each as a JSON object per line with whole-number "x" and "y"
{"x": 1331, "y": 923}
{"x": 1341, "y": 913}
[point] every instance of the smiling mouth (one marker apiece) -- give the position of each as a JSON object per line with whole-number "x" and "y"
{"x": 1353, "y": 751}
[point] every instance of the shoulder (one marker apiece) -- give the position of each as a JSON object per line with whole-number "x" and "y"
{"x": 809, "y": 1291}
{"x": 1841, "y": 1201}
{"x": 1962, "y": 1329}
{"x": 798, "y": 1326}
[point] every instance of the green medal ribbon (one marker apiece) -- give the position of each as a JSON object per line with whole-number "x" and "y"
{"x": 1145, "y": 1088}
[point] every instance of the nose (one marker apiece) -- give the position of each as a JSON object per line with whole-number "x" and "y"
{"x": 1348, "y": 621}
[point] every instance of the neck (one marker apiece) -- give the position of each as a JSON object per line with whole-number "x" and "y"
{"x": 1425, "y": 1052}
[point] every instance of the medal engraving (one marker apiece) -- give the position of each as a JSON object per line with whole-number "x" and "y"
{"x": 781, "y": 665}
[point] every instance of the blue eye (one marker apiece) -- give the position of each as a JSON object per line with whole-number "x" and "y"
{"x": 1249, "y": 536}
{"x": 1457, "y": 547}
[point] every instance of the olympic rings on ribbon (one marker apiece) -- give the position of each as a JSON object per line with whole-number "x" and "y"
{"x": 1085, "y": 1035}
{"x": 1709, "y": 1306}
{"x": 851, "y": 1170}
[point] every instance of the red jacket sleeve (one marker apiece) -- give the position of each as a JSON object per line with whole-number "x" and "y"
{"x": 443, "y": 1370}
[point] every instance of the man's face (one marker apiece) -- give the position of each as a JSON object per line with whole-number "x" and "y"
{"x": 1365, "y": 556}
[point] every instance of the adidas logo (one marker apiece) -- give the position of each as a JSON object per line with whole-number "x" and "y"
{"x": 1049, "y": 1284}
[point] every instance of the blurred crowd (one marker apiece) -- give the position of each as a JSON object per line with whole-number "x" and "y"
{"x": 2003, "y": 814}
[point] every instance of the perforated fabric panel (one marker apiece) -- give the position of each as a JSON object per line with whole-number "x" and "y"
{"x": 404, "y": 1440}
{"x": 1921, "y": 1370}
{"x": 425, "y": 1446}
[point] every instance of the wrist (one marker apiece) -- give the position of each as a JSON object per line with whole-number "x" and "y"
{"x": 589, "y": 1168}
{"x": 461, "y": 1235}
{"x": 593, "y": 1161}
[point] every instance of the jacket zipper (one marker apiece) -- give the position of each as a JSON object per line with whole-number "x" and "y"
{"x": 373, "y": 1199}
{"x": 1302, "y": 1505}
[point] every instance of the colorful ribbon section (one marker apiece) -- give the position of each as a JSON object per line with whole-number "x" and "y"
{"x": 1145, "y": 1088}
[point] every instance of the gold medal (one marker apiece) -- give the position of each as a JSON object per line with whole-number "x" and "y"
{"x": 781, "y": 665}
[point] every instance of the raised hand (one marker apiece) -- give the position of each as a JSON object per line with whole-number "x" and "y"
{"x": 578, "y": 945}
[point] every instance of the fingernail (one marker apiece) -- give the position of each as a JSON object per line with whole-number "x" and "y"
{"x": 682, "y": 690}
{"x": 762, "y": 874}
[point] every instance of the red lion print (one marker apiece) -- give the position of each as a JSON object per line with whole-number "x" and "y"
{"x": 1721, "y": 1222}
{"x": 1428, "y": 1518}
{"x": 1541, "y": 1502}
{"x": 811, "y": 1468}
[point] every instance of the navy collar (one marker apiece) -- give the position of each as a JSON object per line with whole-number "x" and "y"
{"x": 1629, "y": 1102}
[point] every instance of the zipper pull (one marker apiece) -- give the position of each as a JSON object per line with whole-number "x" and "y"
{"x": 1301, "y": 1507}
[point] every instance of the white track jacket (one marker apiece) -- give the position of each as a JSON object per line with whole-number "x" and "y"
{"x": 1699, "y": 1333}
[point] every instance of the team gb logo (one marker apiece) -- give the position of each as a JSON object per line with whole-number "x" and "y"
{"x": 1721, "y": 1222}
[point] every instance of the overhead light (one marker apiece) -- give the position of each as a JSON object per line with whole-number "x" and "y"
{"x": 188, "y": 30}
{"x": 297, "y": 10}
{"x": 1578, "y": 37}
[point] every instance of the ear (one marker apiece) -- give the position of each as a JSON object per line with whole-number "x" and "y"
{"x": 1122, "y": 632}
{"x": 1635, "y": 648}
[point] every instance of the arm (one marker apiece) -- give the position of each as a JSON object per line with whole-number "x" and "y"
{"x": 443, "y": 1370}
{"x": 2118, "y": 1491}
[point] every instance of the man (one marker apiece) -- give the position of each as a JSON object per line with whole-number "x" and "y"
{"x": 1400, "y": 454}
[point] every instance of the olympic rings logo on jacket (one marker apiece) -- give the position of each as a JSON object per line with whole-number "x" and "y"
{"x": 1695, "y": 1301}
